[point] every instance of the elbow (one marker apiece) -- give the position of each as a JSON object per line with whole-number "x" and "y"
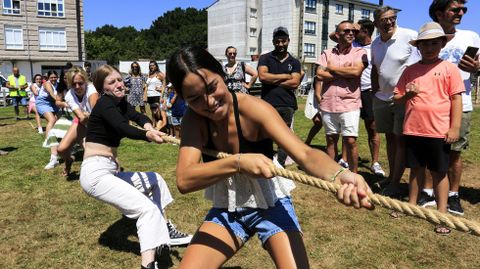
{"x": 182, "y": 185}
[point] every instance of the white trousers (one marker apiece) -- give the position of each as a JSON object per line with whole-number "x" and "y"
{"x": 138, "y": 195}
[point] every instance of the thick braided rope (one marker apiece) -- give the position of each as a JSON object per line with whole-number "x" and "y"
{"x": 430, "y": 215}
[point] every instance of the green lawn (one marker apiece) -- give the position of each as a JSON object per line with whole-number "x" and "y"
{"x": 47, "y": 221}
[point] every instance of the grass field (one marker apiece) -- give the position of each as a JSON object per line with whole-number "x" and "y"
{"x": 47, "y": 221}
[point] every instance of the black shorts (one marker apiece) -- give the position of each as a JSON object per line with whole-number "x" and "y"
{"x": 366, "y": 112}
{"x": 153, "y": 101}
{"x": 429, "y": 152}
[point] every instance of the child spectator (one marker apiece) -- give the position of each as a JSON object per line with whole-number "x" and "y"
{"x": 432, "y": 91}
{"x": 178, "y": 108}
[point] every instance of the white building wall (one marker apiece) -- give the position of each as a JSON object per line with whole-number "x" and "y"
{"x": 227, "y": 26}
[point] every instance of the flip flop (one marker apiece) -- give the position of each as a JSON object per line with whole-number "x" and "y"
{"x": 442, "y": 230}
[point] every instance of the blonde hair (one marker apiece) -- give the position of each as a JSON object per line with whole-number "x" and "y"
{"x": 100, "y": 74}
{"x": 72, "y": 72}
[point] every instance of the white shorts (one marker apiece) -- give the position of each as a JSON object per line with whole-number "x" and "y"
{"x": 345, "y": 123}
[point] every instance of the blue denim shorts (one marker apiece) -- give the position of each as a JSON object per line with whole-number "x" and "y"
{"x": 245, "y": 222}
{"x": 18, "y": 100}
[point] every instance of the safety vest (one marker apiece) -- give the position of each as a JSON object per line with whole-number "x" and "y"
{"x": 21, "y": 81}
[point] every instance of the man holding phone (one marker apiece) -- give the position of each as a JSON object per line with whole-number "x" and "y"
{"x": 449, "y": 13}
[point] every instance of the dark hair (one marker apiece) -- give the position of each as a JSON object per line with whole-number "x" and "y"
{"x": 342, "y": 22}
{"x": 441, "y": 5}
{"x": 87, "y": 64}
{"x": 379, "y": 11}
{"x": 154, "y": 62}
{"x": 367, "y": 25}
{"x": 35, "y": 76}
{"x": 68, "y": 65}
{"x": 139, "y": 68}
{"x": 100, "y": 74}
{"x": 230, "y": 47}
{"x": 189, "y": 60}
{"x": 52, "y": 72}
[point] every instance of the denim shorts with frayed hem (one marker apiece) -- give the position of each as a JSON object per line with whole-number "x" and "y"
{"x": 245, "y": 222}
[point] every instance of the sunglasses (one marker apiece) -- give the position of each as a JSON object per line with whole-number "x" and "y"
{"x": 231, "y": 53}
{"x": 350, "y": 31}
{"x": 458, "y": 9}
{"x": 388, "y": 19}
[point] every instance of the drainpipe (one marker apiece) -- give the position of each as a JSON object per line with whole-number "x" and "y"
{"x": 79, "y": 30}
{"x": 28, "y": 38}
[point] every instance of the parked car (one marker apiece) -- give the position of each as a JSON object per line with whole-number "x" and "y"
{"x": 4, "y": 92}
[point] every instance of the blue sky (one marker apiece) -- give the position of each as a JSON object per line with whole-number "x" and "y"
{"x": 141, "y": 13}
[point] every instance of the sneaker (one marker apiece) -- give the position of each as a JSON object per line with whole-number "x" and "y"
{"x": 454, "y": 205}
{"x": 162, "y": 257}
{"x": 392, "y": 191}
{"x": 177, "y": 238}
{"x": 377, "y": 169}
{"x": 40, "y": 130}
{"x": 426, "y": 200}
{"x": 51, "y": 164}
{"x": 343, "y": 163}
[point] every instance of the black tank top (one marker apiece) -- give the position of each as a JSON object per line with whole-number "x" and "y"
{"x": 264, "y": 146}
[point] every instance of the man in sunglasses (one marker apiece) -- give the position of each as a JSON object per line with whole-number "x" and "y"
{"x": 449, "y": 13}
{"x": 340, "y": 69}
{"x": 391, "y": 54}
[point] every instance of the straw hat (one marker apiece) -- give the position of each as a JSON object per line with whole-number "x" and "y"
{"x": 430, "y": 30}
{"x": 333, "y": 37}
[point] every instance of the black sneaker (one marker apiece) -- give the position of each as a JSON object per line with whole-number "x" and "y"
{"x": 162, "y": 257}
{"x": 177, "y": 238}
{"x": 425, "y": 200}
{"x": 454, "y": 205}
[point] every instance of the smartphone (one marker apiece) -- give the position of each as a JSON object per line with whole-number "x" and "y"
{"x": 471, "y": 51}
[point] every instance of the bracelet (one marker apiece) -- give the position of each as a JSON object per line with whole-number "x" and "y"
{"x": 341, "y": 170}
{"x": 238, "y": 162}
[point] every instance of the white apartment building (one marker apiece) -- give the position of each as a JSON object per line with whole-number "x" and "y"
{"x": 248, "y": 25}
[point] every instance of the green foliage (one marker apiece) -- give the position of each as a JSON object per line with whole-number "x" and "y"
{"x": 168, "y": 32}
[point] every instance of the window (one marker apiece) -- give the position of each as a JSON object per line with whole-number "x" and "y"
{"x": 339, "y": 9}
{"x": 13, "y": 37}
{"x": 365, "y": 14}
{"x": 252, "y": 50}
{"x": 253, "y": 13}
{"x": 253, "y": 32}
{"x": 311, "y": 6}
{"x": 52, "y": 38}
{"x": 11, "y": 7}
{"x": 310, "y": 27}
{"x": 51, "y": 8}
{"x": 309, "y": 50}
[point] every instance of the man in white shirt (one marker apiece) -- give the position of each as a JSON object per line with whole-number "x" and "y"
{"x": 449, "y": 13}
{"x": 391, "y": 54}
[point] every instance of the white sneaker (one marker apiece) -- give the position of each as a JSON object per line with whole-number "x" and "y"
{"x": 51, "y": 164}
{"x": 40, "y": 130}
{"x": 343, "y": 163}
{"x": 377, "y": 169}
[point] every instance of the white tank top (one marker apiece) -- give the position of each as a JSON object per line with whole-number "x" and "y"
{"x": 152, "y": 85}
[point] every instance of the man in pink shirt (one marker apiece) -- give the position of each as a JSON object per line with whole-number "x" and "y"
{"x": 340, "y": 69}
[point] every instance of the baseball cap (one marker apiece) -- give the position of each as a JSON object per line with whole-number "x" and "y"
{"x": 280, "y": 31}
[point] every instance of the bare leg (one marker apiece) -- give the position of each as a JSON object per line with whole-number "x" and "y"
{"x": 37, "y": 118}
{"x": 417, "y": 176}
{"x": 399, "y": 166}
{"x": 332, "y": 141}
{"x": 455, "y": 170}
{"x": 441, "y": 187}
{"x": 390, "y": 153}
{"x": 317, "y": 126}
{"x": 66, "y": 145}
{"x": 211, "y": 247}
{"x": 350, "y": 143}
{"x": 287, "y": 250}
{"x": 373, "y": 140}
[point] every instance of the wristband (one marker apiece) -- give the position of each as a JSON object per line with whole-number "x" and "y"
{"x": 341, "y": 170}
{"x": 238, "y": 162}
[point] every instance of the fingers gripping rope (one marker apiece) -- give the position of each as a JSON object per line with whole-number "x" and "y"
{"x": 430, "y": 215}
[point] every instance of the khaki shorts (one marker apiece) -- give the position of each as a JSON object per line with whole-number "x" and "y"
{"x": 463, "y": 142}
{"x": 388, "y": 116}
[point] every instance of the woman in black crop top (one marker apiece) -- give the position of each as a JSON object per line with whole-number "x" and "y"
{"x": 244, "y": 126}
{"x": 139, "y": 195}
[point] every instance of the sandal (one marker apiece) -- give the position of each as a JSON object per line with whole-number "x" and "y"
{"x": 395, "y": 214}
{"x": 442, "y": 230}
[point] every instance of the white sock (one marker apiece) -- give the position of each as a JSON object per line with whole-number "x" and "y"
{"x": 428, "y": 191}
{"x": 452, "y": 193}
{"x": 53, "y": 157}
{"x": 40, "y": 129}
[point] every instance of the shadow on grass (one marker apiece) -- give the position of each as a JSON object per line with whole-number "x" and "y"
{"x": 8, "y": 149}
{"x": 7, "y": 118}
{"x": 116, "y": 238}
{"x": 470, "y": 195}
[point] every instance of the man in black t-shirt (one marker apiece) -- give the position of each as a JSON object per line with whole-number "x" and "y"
{"x": 280, "y": 75}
